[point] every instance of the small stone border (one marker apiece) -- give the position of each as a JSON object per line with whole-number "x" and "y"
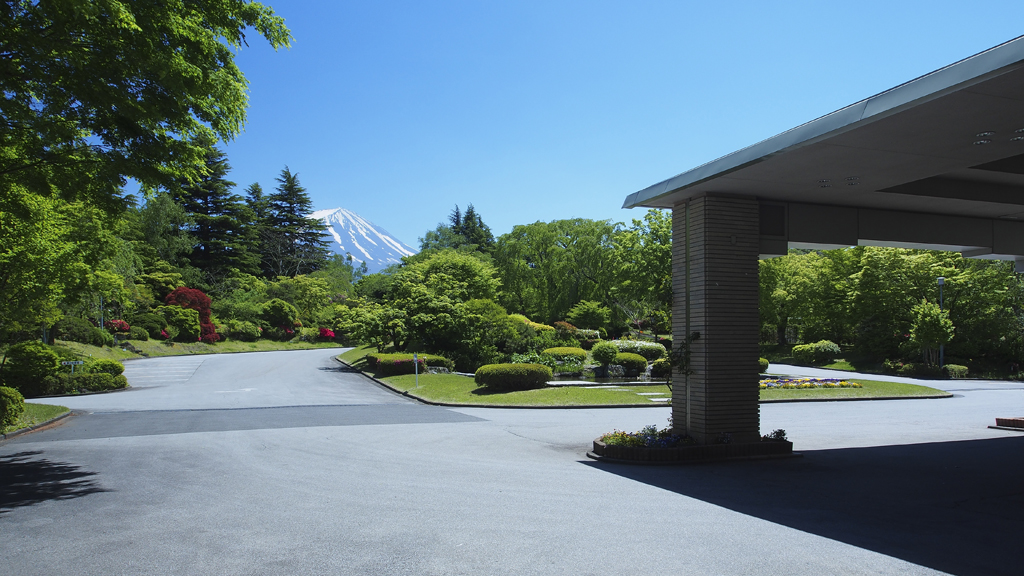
{"x": 691, "y": 454}
{"x": 40, "y": 426}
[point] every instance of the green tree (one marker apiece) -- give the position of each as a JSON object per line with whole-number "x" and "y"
{"x": 291, "y": 244}
{"x": 931, "y": 328}
{"x": 642, "y": 257}
{"x": 462, "y": 232}
{"x": 93, "y": 92}
{"x": 590, "y": 315}
{"x": 222, "y": 221}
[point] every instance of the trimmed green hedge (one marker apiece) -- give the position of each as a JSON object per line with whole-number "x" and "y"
{"x": 955, "y": 371}
{"x": 513, "y": 376}
{"x": 604, "y": 353}
{"x": 820, "y": 352}
{"x": 661, "y": 369}
{"x": 649, "y": 350}
{"x": 12, "y": 404}
{"x": 138, "y": 333}
{"x": 112, "y": 367}
{"x": 631, "y": 362}
{"x": 763, "y": 363}
{"x": 392, "y": 364}
{"x": 566, "y": 353}
{"x": 63, "y": 384}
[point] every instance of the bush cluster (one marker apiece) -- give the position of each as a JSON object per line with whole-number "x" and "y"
{"x": 661, "y": 368}
{"x": 27, "y": 365}
{"x": 633, "y": 363}
{"x": 393, "y": 364}
{"x": 102, "y": 366}
{"x": 566, "y": 353}
{"x": 604, "y": 353}
{"x": 12, "y": 404}
{"x": 151, "y": 322}
{"x": 80, "y": 330}
{"x": 820, "y": 352}
{"x": 513, "y": 376}
{"x": 763, "y": 365}
{"x": 79, "y": 382}
{"x": 138, "y": 333}
{"x": 244, "y": 331}
{"x": 955, "y": 371}
{"x": 649, "y": 350}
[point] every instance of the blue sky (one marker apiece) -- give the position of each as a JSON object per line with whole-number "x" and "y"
{"x": 560, "y": 109}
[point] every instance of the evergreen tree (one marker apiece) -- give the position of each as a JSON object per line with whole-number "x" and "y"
{"x": 291, "y": 243}
{"x": 223, "y": 221}
{"x": 463, "y": 232}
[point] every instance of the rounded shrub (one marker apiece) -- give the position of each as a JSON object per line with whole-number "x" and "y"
{"x": 138, "y": 333}
{"x": 566, "y": 353}
{"x": 513, "y": 376}
{"x": 103, "y": 366}
{"x": 820, "y": 352}
{"x": 79, "y": 330}
{"x": 185, "y": 320}
{"x": 604, "y": 353}
{"x": 661, "y": 368}
{"x": 28, "y": 365}
{"x": 279, "y": 313}
{"x": 152, "y": 323}
{"x": 630, "y": 361}
{"x": 245, "y": 331}
{"x": 763, "y": 364}
{"x": 954, "y": 371}
{"x": 12, "y": 404}
{"x": 649, "y": 350}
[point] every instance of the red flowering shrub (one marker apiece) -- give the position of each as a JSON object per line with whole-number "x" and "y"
{"x": 117, "y": 326}
{"x": 164, "y": 334}
{"x": 195, "y": 300}
{"x": 326, "y": 334}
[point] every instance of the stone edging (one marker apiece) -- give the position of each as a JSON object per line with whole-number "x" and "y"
{"x": 39, "y": 426}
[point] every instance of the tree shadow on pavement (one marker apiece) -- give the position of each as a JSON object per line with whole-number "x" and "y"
{"x": 26, "y": 479}
{"x": 957, "y": 507}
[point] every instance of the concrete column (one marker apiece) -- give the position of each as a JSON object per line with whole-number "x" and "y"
{"x": 719, "y": 399}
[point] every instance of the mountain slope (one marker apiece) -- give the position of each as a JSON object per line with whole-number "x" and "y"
{"x": 352, "y": 234}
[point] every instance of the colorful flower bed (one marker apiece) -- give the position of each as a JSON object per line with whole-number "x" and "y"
{"x": 648, "y": 437}
{"x": 806, "y": 383}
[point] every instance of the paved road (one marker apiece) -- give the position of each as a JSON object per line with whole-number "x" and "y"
{"x": 947, "y": 385}
{"x": 280, "y": 463}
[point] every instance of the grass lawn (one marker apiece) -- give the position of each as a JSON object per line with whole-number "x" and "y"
{"x": 871, "y": 389}
{"x": 453, "y": 389}
{"x": 36, "y": 414}
{"x": 158, "y": 348}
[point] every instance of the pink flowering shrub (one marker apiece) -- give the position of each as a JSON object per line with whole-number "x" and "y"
{"x": 115, "y": 326}
{"x": 326, "y": 334}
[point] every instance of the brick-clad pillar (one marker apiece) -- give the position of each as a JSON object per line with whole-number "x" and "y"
{"x": 719, "y": 399}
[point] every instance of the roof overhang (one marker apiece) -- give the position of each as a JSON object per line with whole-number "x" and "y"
{"x": 948, "y": 143}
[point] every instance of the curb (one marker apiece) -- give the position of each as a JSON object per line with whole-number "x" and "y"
{"x": 606, "y": 459}
{"x": 40, "y": 426}
{"x": 788, "y": 400}
{"x": 525, "y": 406}
{"x": 1009, "y": 428}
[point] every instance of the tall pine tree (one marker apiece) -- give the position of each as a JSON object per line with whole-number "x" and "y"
{"x": 291, "y": 244}
{"x": 222, "y": 228}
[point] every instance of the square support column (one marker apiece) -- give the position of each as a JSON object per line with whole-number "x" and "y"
{"x": 715, "y": 245}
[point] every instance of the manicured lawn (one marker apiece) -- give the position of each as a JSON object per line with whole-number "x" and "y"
{"x": 36, "y": 414}
{"x": 157, "y": 348}
{"x": 871, "y": 389}
{"x": 454, "y": 389}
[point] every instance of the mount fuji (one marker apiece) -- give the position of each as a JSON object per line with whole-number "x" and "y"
{"x": 365, "y": 241}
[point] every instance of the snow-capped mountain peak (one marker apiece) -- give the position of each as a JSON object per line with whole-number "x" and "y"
{"x": 352, "y": 234}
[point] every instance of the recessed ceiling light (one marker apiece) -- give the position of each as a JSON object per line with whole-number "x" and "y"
{"x": 824, "y": 181}
{"x": 981, "y": 142}
{"x": 985, "y": 134}
{"x": 1016, "y": 138}
{"x": 825, "y": 186}
{"x": 852, "y": 178}
{"x": 852, "y": 183}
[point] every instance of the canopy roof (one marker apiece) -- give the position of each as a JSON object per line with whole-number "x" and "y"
{"x": 950, "y": 142}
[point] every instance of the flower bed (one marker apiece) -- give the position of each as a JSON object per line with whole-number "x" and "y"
{"x": 806, "y": 383}
{"x": 651, "y": 445}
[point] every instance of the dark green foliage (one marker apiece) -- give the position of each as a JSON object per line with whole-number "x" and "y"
{"x": 604, "y": 353}
{"x": 138, "y": 333}
{"x": 633, "y": 363}
{"x": 763, "y": 365}
{"x": 508, "y": 377}
{"x": 184, "y": 320}
{"x": 27, "y": 365}
{"x": 79, "y": 330}
{"x": 395, "y": 364}
{"x": 373, "y": 360}
{"x": 589, "y": 314}
{"x": 279, "y": 314}
{"x": 564, "y": 353}
{"x": 661, "y": 368}
{"x": 290, "y": 243}
{"x": 63, "y": 384}
{"x": 821, "y": 352}
{"x": 244, "y": 331}
{"x": 153, "y": 323}
{"x": 466, "y": 233}
{"x": 955, "y": 371}
{"x": 920, "y": 369}
{"x": 103, "y": 366}
{"x": 12, "y": 404}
